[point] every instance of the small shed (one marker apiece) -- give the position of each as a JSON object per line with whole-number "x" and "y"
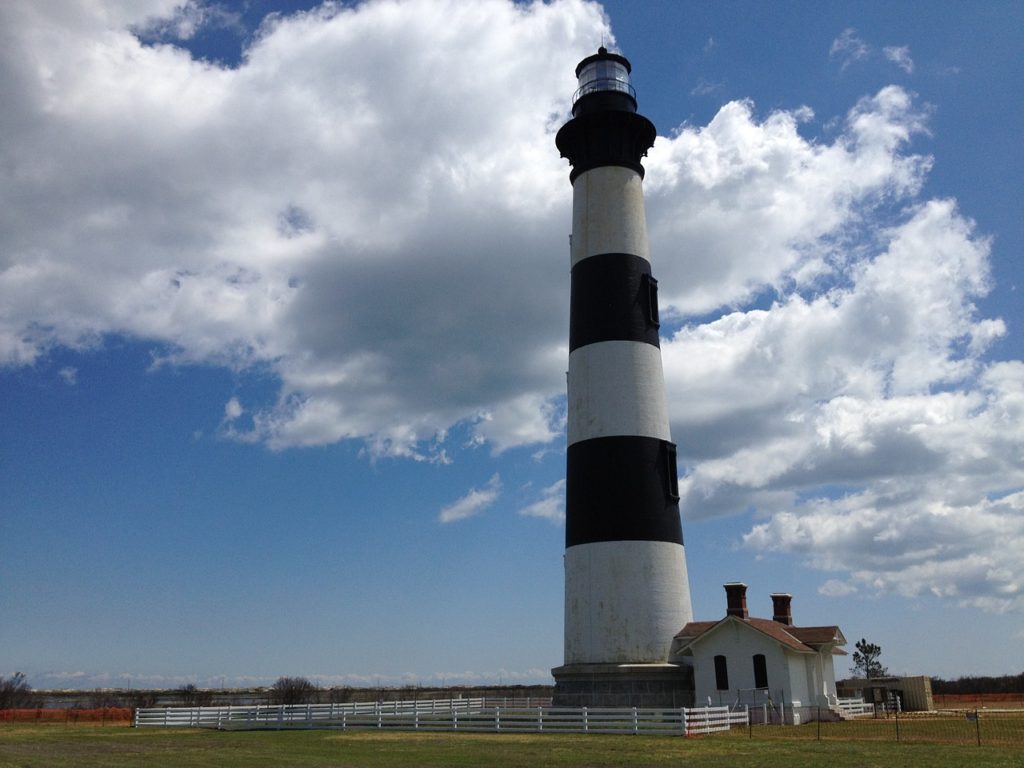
{"x": 908, "y": 693}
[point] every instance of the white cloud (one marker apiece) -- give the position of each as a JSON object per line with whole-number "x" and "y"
{"x": 69, "y": 375}
{"x": 900, "y": 56}
{"x": 523, "y": 420}
{"x": 877, "y": 390}
{"x": 187, "y": 19}
{"x": 706, "y": 87}
{"x": 473, "y": 503}
{"x": 370, "y": 204}
{"x": 864, "y": 376}
{"x": 848, "y": 48}
{"x": 741, "y": 204}
{"x": 551, "y": 505}
{"x": 903, "y": 543}
{"x": 836, "y": 588}
{"x": 233, "y": 409}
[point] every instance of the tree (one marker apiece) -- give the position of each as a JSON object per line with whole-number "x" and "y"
{"x": 865, "y": 660}
{"x": 15, "y": 692}
{"x": 194, "y": 697}
{"x": 292, "y": 690}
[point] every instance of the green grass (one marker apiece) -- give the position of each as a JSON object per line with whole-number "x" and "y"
{"x": 56, "y": 746}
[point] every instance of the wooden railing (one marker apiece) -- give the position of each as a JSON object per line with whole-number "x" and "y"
{"x": 854, "y": 707}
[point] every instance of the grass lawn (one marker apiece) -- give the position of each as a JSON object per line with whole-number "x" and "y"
{"x": 56, "y": 746}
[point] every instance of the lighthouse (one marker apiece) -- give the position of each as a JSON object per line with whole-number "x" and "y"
{"x": 626, "y": 587}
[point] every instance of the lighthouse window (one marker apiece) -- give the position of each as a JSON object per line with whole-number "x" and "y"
{"x": 721, "y": 674}
{"x": 673, "y": 472}
{"x": 651, "y": 298}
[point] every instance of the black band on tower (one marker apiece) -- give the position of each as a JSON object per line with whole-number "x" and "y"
{"x": 613, "y": 298}
{"x": 596, "y": 139}
{"x": 621, "y": 489}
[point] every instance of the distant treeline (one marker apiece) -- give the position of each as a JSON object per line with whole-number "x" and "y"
{"x": 1004, "y": 684}
{"x": 285, "y": 691}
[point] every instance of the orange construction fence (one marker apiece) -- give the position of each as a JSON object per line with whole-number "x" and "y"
{"x": 102, "y": 715}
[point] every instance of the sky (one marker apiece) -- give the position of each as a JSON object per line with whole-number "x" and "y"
{"x": 284, "y": 329}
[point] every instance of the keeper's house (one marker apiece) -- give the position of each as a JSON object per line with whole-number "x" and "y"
{"x": 745, "y": 660}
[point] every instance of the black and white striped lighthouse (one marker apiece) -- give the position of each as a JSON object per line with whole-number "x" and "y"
{"x": 626, "y": 587}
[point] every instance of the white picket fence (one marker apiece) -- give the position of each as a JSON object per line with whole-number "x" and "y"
{"x": 468, "y": 714}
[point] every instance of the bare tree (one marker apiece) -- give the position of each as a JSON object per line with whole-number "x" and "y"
{"x": 194, "y": 697}
{"x": 340, "y": 695}
{"x": 865, "y": 660}
{"x": 292, "y": 690}
{"x": 15, "y": 692}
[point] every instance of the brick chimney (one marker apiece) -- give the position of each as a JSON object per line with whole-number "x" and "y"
{"x": 736, "y": 599}
{"x": 782, "y": 610}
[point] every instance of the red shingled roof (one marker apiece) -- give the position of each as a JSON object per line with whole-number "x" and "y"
{"x": 799, "y": 639}
{"x": 817, "y": 635}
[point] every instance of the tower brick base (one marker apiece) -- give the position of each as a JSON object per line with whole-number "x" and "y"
{"x": 623, "y": 685}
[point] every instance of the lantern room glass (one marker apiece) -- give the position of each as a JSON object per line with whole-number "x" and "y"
{"x": 603, "y": 75}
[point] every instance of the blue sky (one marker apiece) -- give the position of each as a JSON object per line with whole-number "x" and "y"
{"x": 284, "y": 312}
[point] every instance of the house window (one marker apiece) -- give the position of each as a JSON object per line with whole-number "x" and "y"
{"x": 760, "y": 671}
{"x": 721, "y": 673}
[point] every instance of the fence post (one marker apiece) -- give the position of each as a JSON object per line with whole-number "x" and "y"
{"x": 897, "y": 715}
{"x": 586, "y": 725}
{"x": 977, "y": 725}
{"x": 540, "y": 718}
{"x": 750, "y": 723}
{"x": 497, "y": 718}
{"x": 636, "y": 724}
